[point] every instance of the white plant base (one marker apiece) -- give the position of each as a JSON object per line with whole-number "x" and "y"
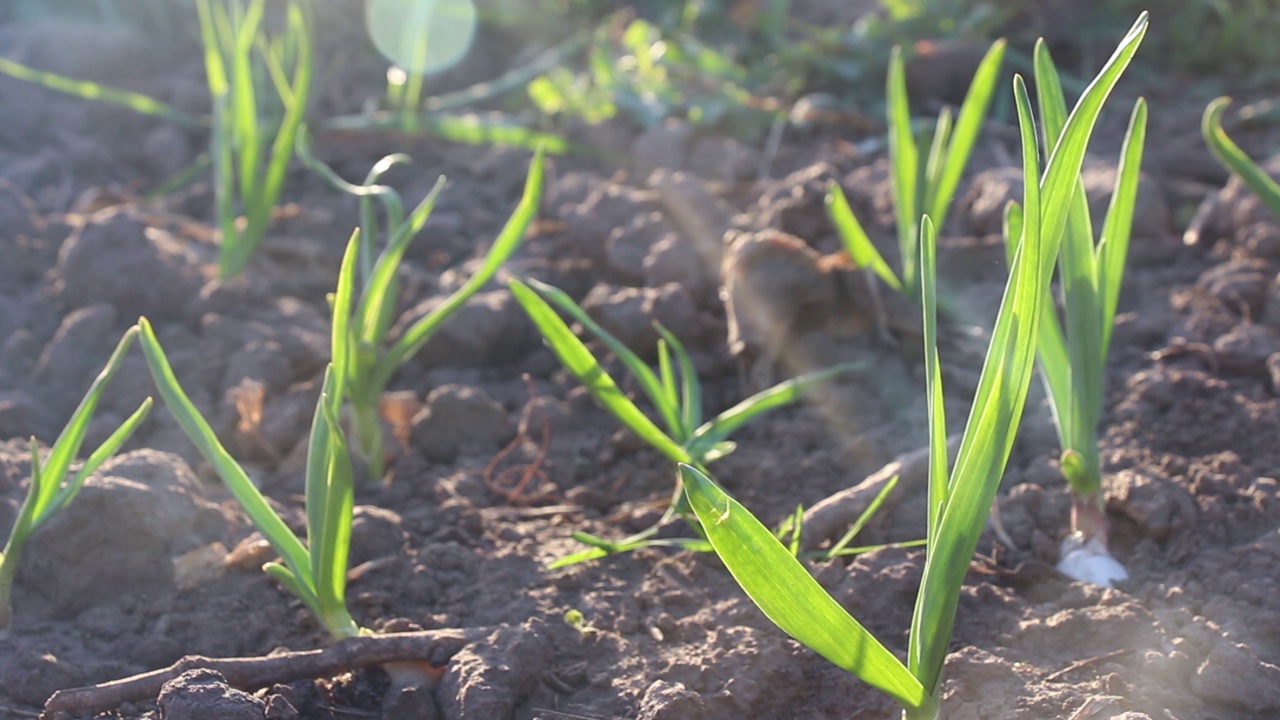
{"x": 1089, "y": 561}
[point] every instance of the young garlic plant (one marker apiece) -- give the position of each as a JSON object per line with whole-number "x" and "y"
{"x": 250, "y": 150}
{"x": 364, "y": 356}
{"x": 51, "y": 489}
{"x": 922, "y": 184}
{"x": 1073, "y": 355}
{"x": 674, "y": 391}
{"x": 959, "y": 499}
{"x": 314, "y": 571}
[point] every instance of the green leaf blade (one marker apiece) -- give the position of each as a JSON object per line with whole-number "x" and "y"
{"x": 579, "y": 361}
{"x": 856, "y": 241}
{"x": 255, "y": 505}
{"x": 789, "y": 596}
{"x": 1235, "y": 159}
{"x": 508, "y": 240}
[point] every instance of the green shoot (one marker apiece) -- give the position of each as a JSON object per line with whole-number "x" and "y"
{"x": 959, "y": 500}
{"x": 922, "y": 184}
{"x": 89, "y": 90}
{"x": 674, "y": 391}
{"x": 393, "y": 206}
{"x": 1234, "y": 159}
{"x": 1073, "y": 358}
{"x": 364, "y": 358}
{"x": 51, "y": 489}
{"x": 316, "y": 572}
{"x": 248, "y": 173}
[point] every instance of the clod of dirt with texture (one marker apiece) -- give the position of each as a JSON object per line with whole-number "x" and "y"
{"x": 204, "y": 694}
{"x": 106, "y": 259}
{"x": 157, "y": 511}
{"x": 459, "y": 419}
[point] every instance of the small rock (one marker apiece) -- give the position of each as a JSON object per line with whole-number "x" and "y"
{"x": 629, "y": 313}
{"x": 1246, "y": 347}
{"x": 203, "y": 695}
{"x": 119, "y": 535}
{"x": 771, "y": 280}
{"x": 375, "y": 533}
{"x": 489, "y": 678}
{"x": 589, "y": 223}
{"x": 114, "y": 259}
{"x": 796, "y": 204}
{"x": 30, "y": 675}
{"x": 1239, "y": 284}
{"x": 75, "y": 355}
{"x": 701, "y": 215}
{"x": 1150, "y": 212}
{"x": 1234, "y": 676}
{"x": 664, "y": 145}
{"x": 457, "y": 418}
{"x": 1158, "y": 505}
{"x": 489, "y": 327}
{"x": 1261, "y": 240}
{"x": 279, "y": 708}
{"x": 989, "y": 192}
{"x": 671, "y": 701}
{"x": 627, "y": 247}
{"x": 675, "y": 259}
{"x": 410, "y": 703}
{"x": 724, "y": 159}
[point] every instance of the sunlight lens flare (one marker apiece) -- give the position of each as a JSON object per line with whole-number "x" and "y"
{"x": 422, "y": 36}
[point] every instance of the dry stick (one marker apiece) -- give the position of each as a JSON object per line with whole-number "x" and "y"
{"x": 434, "y": 646}
{"x": 830, "y": 518}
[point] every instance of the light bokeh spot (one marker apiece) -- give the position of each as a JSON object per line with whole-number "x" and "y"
{"x": 422, "y": 36}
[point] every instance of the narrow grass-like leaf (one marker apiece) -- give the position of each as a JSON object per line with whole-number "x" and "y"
{"x": 107, "y": 449}
{"x": 1113, "y": 248}
{"x": 904, "y": 167}
{"x": 508, "y": 240}
{"x": 789, "y": 596}
{"x": 670, "y": 395}
{"x": 934, "y": 159}
{"x": 690, "y": 401}
{"x": 842, "y": 544}
{"x": 338, "y": 501}
{"x": 579, "y": 360}
{"x": 653, "y": 387}
{"x": 89, "y": 90}
{"x": 282, "y": 539}
{"x": 377, "y": 298}
{"x": 856, "y": 242}
{"x": 938, "y": 460}
{"x": 1235, "y": 159}
{"x": 341, "y": 339}
{"x": 964, "y": 135}
{"x": 786, "y": 392}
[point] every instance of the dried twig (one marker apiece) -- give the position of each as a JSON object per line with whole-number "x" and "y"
{"x": 434, "y": 646}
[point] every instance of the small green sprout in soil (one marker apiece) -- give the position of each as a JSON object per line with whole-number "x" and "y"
{"x": 1073, "y": 356}
{"x": 363, "y": 357}
{"x": 1234, "y": 159}
{"x": 51, "y": 489}
{"x": 958, "y": 500}
{"x": 252, "y": 145}
{"x": 315, "y": 571}
{"x": 922, "y": 184}
{"x": 674, "y": 391}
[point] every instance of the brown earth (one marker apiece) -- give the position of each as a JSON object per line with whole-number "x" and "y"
{"x": 135, "y": 573}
